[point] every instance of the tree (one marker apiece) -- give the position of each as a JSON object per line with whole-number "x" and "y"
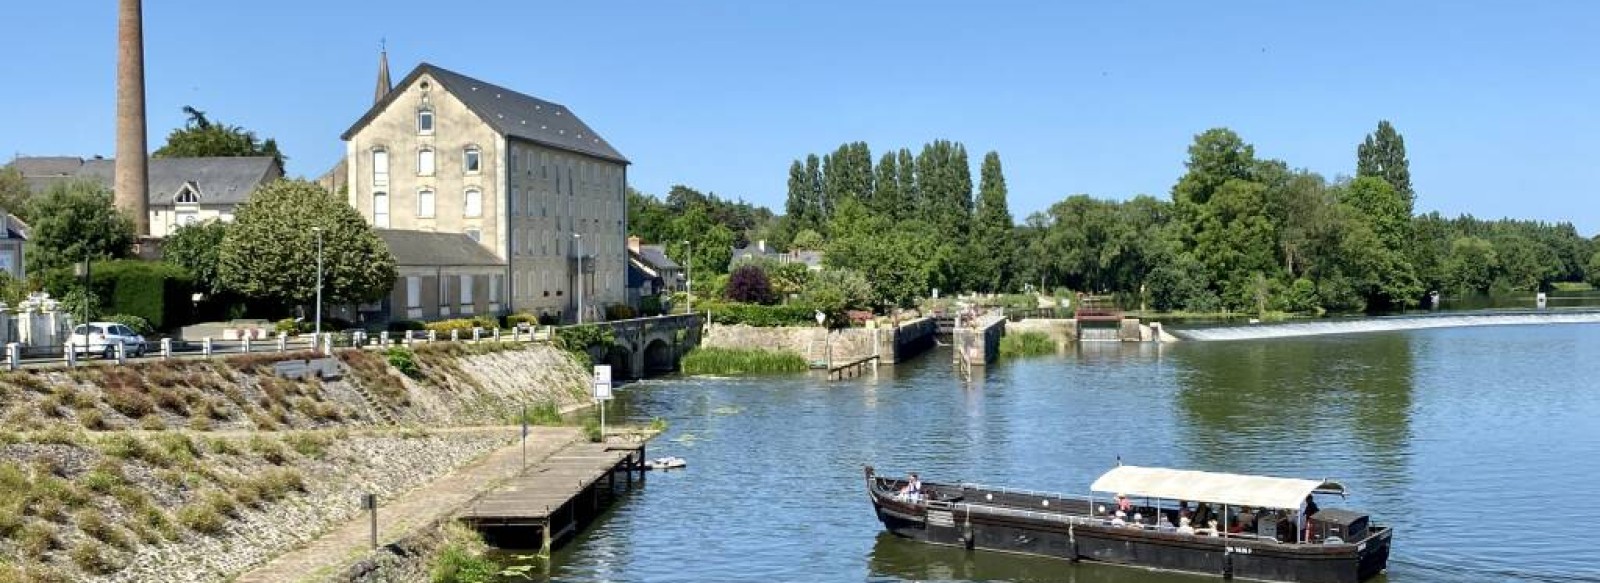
{"x": 807, "y": 240}
{"x": 836, "y": 290}
{"x": 749, "y": 284}
{"x": 991, "y": 253}
{"x": 1383, "y": 155}
{"x": 74, "y": 221}
{"x": 887, "y": 196}
{"x": 201, "y": 137}
{"x": 197, "y": 249}
{"x": 1216, "y": 156}
{"x": 648, "y": 219}
{"x": 847, "y": 175}
{"x": 1592, "y": 271}
{"x": 270, "y": 251}
{"x": 1389, "y": 279}
{"x": 800, "y": 209}
{"x": 14, "y": 193}
{"x": 1472, "y": 265}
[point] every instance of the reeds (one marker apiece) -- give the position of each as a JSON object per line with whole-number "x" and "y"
{"x": 1026, "y": 344}
{"x": 732, "y": 361}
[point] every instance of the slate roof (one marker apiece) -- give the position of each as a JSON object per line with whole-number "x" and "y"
{"x": 219, "y": 180}
{"x": 656, "y": 256}
{"x": 508, "y": 112}
{"x": 430, "y": 249}
{"x": 811, "y": 259}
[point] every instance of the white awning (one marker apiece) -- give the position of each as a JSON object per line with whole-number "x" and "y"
{"x": 1192, "y": 486}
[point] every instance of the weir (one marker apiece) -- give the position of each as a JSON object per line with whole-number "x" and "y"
{"x": 1388, "y": 323}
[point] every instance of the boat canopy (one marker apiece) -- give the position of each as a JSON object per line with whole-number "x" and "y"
{"x": 1215, "y": 488}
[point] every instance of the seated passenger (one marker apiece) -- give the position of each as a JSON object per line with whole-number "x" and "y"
{"x": 1117, "y": 519}
{"x": 1123, "y": 504}
{"x": 913, "y": 488}
{"x": 1183, "y": 526}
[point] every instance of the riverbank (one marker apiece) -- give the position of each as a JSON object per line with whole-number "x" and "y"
{"x": 197, "y": 470}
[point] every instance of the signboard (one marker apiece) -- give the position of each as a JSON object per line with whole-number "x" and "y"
{"x": 602, "y": 382}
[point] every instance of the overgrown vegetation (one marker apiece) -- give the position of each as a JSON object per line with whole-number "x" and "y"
{"x": 732, "y": 361}
{"x": 1018, "y": 344}
{"x": 577, "y": 340}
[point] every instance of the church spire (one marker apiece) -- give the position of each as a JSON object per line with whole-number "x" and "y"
{"x": 383, "y": 73}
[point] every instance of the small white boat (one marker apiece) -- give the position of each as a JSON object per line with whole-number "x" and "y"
{"x": 666, "y": 463}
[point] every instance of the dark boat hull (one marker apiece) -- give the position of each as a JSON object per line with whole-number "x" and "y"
{"x": 959, "y": 525}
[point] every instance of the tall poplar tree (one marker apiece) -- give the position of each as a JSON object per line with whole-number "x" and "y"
{"x": 847, "y": 175}
{"x": 993, "y": 244}
{"x": 910, "y": 194}
{"x": 800, "y": 207}
{"x": 1383, "y": 154}
{"x": 812, "y": 181}
{"x": 886, "y": 194}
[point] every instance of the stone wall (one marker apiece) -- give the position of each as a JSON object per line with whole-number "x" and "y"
{"x": 813, "y": 343}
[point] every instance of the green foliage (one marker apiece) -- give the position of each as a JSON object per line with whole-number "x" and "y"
{"x": 545, "y": 413}
{"x": 136, "y": 323}
{"x": 465, "y": 325}
{"x": 1020, "y": 344}
{"x": 835, "y": 291}
{"x": 991, "y": 255}
{"x": 455, "y": 564}
{"x": 1383, "y": 155}
{"x": 406, "y": 325}
{"x": 578, "y": 340}
{"x": 1592, "y": 270}
{"x": 270, "y": 251}
{"x": 758, "y": 315}
{"x": 159, "y": 293}
{"x": 403, "y": 360}
{"x": 73, "y": 221}
{"x": 807, "y": 240}
{"x": 196, "y": 248}
{"x": 732, "y": 361}
{"x": 15, "y": 195}
{"x": 201, "y": 137}
{"x": 620, "y": 312}
{"x": 592, "y": 430}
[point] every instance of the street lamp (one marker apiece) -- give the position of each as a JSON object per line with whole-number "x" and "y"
{"x": 688, "y": 277}
{"x": 318, "y": 231}
{"x": 578, "y": 237}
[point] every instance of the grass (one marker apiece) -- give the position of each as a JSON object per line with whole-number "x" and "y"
{"x": 460, "y": 558}
{"x": 1022, "y": 344}
{"x": 269, "y": 449}
{"x": 372, "y": 372}
{"x": 730, "y": 361}
{"x": 546, "y": 413}
{"x": 1572, "y": 286}
{"x": 312, "y": 445}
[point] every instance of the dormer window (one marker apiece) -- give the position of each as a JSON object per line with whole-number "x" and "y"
{"x": 187, "y": 194}
{"x": 471, "y": 159}
{"x": 425, "y": 121}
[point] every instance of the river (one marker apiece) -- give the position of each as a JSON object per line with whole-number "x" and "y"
{"x": 1474, "y": 442}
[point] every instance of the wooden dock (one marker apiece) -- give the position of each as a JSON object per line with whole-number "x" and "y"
{"x": 556, "y": 497}
{"x": 839, "y": 371}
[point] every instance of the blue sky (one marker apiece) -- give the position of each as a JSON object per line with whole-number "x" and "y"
{"x": 1498, "y": 102}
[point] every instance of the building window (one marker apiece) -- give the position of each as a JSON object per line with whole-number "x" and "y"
{"x": 516, "y": 202}
{"x": 475, "y": 235}
{"x": 544, "y": 165}
{"x": 474, "y": 203}
{"x": 413, "y": 291}
{"x": 380, "y": 167}
{"x": 425, "y": 203}
{"x": 466, "y": 290}
{"x": 425, "y": 121}
{"x": 470, "y": 159}
{"x": 425, "y": 162}
{"x": 186, "y": 195}
{"x": 444, "y": 295}
{"x": 380, "y": 209}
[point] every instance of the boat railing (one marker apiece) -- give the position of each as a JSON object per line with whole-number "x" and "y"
{"x": 1061, "y": 517}
{"x": 1025, "y": 492}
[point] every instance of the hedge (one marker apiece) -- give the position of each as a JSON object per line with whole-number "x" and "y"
{"x": 464, "y": 325}
{"x": 760, "y": 316}
{"x": 161, "y": 293}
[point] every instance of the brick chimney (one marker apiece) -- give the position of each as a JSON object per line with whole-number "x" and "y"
{"x": 633, "y": 243}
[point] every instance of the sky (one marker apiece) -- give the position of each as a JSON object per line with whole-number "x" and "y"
{"x": 1499, "y": 102}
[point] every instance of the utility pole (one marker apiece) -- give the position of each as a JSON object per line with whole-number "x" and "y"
{"x": 578, "y": 237}
{"x": 318, "y": 231}
{"x": 688, "y": 277}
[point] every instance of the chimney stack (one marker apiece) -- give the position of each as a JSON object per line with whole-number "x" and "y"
{"x": 131, "y": 182}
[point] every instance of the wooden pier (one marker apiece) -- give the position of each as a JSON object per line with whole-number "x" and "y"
{"x": 839, "y": 371}
{"x": 550, "y": 501}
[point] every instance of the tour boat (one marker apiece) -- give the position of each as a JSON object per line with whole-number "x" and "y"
{"x": 1260, "y": 531}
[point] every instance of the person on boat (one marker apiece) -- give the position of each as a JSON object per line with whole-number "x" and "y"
{"x": 1183, "y": 510}
{"x": 913, "y": 488}
{"x": 1117, "y": 519}
{"x": 1302, "y": 522}
{"x": 1183, "y": 526}
{"x": 1247, "y": 520}
{"x": 1123, "y": 504}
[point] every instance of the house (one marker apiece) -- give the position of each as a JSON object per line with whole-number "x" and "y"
{"x": 183, "y": 191}
{"x": 13, "y": 235}
{"x": 523, "y": 177}
{"x": 441, "y": 276}
{"x": 760, "y": 251}
{"x": 653, "y": 261}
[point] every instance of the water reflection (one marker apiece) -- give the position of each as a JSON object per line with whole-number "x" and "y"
{"x": 1299, "y": 406}
{"x": 896, "y": 559}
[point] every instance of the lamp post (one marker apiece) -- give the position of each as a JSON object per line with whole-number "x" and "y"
{"x": 318, "y": 231}
{"x": 578, "y": 239}
{"x": 688, "y": 277}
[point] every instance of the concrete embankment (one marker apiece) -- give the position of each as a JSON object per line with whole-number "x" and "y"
{"x": 199, "y": 470}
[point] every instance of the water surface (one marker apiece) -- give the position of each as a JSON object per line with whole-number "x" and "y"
{"x": 1476, "y": 443}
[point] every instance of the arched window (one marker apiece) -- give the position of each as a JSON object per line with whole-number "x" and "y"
{"x": 380, "y": 167}
{"x": 473, "y": 203}
{"x": 471, "y": 159}
{"x": 425, "y": 203}
{"x": 380, "y": 209}
{"x": 425, "y": 161}
{"x": 425, "y": 121}
{"x": 187, "y": 195}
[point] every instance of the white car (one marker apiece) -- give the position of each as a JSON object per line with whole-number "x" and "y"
{"x": 103, "y": 338}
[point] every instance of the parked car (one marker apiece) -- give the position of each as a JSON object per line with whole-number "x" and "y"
{"x": 103, "y": 338}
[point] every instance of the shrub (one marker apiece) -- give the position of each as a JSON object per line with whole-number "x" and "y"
{"x": 403, "y": 360}
{"x": 512, "y": 320}
{"x": 313, "y": 445}
{"x": 749, "y": 284}
{"x": 200, "y": 517}
{"x": 93, "y": 557}
{"x": 1026, "y": 344}
{"x": 706, "y": 360}
{"x": 464, "y": 325}
{"x": 406, "y": 325}
{"x": 94, "y": 524}
{"x": 650, "y": 306}
{"x": 546, "y": 413}
{"x": 129, "y": 400}
{"x": 138, "y": 324}
{"x": 269, "y": 449}
{"x": 37, "y": 538}
{"x": 761, "y": 316}
{"x": 160, "y": 293}
{"x": 177, "y": 446}
{"x": 620, "y": 312}
{"x": 102, "y": 479}
{"x": 291, "y": 326}
{"x": 171, "y": 400}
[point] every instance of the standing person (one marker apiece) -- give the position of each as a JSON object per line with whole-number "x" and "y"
{"x": 1123, "y": 504}
{"x": 1303, "y": 522}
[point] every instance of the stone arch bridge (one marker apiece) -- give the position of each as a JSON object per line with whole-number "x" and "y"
{"x": 645, "y": 346}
